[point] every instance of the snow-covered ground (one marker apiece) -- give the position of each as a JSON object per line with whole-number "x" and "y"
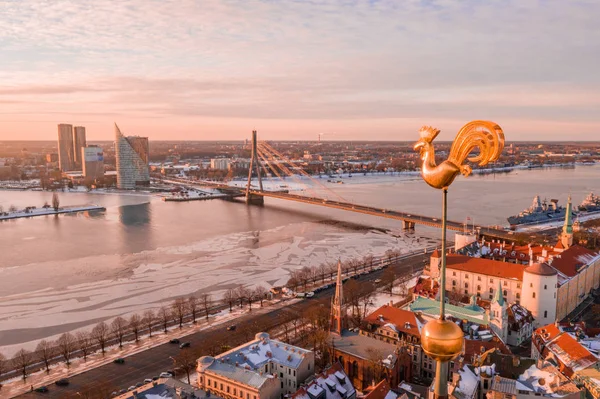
{"x": 48, "y": 211}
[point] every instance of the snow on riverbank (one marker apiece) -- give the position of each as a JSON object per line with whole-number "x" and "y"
{"x": 32, "y": 212}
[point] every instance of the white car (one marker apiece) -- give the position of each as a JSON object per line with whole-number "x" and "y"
{"x": 165, "y": 375}
{"x": 147, "y": 380}
{"x": 310, "y": 294}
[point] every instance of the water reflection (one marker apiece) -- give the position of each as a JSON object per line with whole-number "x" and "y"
{"x": 137, "y": 232}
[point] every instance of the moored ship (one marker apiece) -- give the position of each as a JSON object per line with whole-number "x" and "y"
{"x": 591, "y": 203}
{"x": 539, "y": 212}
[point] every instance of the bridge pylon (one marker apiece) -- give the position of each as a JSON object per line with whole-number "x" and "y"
{"x": 254, "y": 164}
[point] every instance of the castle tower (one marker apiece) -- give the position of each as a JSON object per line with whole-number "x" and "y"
{"x": 435, "y": 262}
{"x": 499, "y": 315}
{"x": 539, "y": 292}
{"x": 338, "y": 310}
{"x": 566, "y": 237}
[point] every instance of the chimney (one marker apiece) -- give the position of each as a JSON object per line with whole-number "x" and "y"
{"x": 516, "y": 361}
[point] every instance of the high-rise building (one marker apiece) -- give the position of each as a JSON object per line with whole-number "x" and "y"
{"x": 93, "y": 162}
{"x": 66, "y": 158}
{"x": 132, "y": 155}
{"x": 79, "y": 143}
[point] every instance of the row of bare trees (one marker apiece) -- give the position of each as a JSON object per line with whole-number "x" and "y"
{"x": 241, "y": 294}
{"x": 84, "y": 343}
{"x": 327, "y": 271}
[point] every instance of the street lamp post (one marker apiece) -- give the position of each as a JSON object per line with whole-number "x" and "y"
{"x": 441, "y": 339}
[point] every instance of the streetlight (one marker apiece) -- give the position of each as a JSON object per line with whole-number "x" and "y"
{"x": 441, "y": 339}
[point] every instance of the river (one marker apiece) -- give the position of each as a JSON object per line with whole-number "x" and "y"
{"x": 62, "y": 273}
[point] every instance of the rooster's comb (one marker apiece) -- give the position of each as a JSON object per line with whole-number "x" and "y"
{"x": 428, "y": 133}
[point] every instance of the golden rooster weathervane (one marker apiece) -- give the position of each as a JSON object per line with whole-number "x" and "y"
{"x": 441, "y": 339}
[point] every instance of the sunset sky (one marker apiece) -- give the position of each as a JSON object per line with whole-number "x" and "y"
{"x": 207, "y": 69}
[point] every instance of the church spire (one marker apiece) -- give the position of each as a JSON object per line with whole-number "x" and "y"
{"x": 498, "y": 297}
{"x": 338, "y": 315}
{"x": 567, "y": 232}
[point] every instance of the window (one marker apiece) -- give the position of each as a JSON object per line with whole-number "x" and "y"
{"x": 545, "y": 313}
{"x": 466, "y": 292}
{"x": 531, "y": 285}
{"x": 454, "y": 273}
{"x": 227, "y": 388}
{"x": 518, "y": 296}
{"x": 505, "y": 284}
{"x": 545, "y": 287}
{"x": 466, "y": 276}
{"x": 294, "y": 373}
{"x": 221, "y": 386}
{"x": 478, "y": 288}
{"x": 466, "y": 285}
{"x": 533, "y": 294}
{"x": 518, "y": 285}
{"x": 491, "y": 290}
{"x": 478, "y": 278}
{"x": 491, "y": 280}
{"x": 504, "y": 293}
{"x": 491, "y": 297}
{"x": 485, "y": 384}
{"x": 453, "y": 283}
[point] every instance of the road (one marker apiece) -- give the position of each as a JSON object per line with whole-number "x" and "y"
{"x": 114, "y": 377}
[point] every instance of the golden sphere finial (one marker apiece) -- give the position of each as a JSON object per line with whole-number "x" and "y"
{"x": 442, "y": 340}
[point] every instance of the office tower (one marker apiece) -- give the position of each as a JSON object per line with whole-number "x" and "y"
{"x": 79, "y": 143}
{"x": 66, "y": 159}
{"x": 93, "y": 162}
{"x": 132, "y": 155}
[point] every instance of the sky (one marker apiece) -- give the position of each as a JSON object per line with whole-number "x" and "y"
{"x": 351, "y": 70}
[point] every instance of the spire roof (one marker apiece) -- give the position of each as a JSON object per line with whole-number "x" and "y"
{"x": 568, "y": 226}
{"x": 498, "y": 297}
{"x": 339, "y": 293}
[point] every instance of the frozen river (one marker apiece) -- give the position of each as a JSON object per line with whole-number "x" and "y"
{"x": 67, "y": 272}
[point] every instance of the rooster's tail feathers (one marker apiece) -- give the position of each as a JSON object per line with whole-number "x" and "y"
{"x": 485, "y": 135}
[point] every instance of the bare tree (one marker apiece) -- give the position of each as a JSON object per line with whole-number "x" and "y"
{"x": 21, "y": 361}
{"x": 376, "y": 358}
{"x": 388, "y": 279}
{"x": 55, "y": 202}
{"x": 165, "y": 317}
{"x": 66, "y": 346}
{"x": 186, "y": 360}
{"x": 293, "y": 282}
{"x": 229, "y": 298}
{"x": 84, "y": 342}
{"x": 206, "y": 302}
{"x": 100, "y": 334}
{"x": 179, "y": 308}
{"x": 135, "y": 323}
{"x": 193, "y": 307}
{"x": 241, "y": 293}
{"x": 260, "y": 293}
{"x": 118, "y": 328}
{"x": 148, "y": 320}
{"x": 2, "y": 364}
{"x": 45, "y": 351}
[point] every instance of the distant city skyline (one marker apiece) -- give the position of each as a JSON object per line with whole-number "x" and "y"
{"x": 372, "y": 70}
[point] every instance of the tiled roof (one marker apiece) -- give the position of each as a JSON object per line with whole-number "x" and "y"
{"x": 571, "y": 260}
{"x": 486, "y": 267}
{"x": 477, "y": 347}
{"x": 381, "y": 391}
{"x": 504, "y": 385}
{"x": 405, "y": 321}
{"x": 541, "y": 269}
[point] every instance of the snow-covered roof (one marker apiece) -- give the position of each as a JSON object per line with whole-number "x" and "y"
{"x": 332, "y": 383}
{"x": 465, "y": 386}
{"x": 546, "y": 380}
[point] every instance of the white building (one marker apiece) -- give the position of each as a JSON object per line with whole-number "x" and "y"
{"x": 260, "y": 369}
{"x": 220, "y": 163}
{"x": 132, "y": 154}
{"x": 93, "y": 162}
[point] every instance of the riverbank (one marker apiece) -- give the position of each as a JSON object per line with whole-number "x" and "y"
{"x": 29, "y": 212}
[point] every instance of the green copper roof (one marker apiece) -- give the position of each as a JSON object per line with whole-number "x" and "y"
{"x": 432, "y": 308}
{"x": 498, "y": 297}
{"x": 568, "y": 227}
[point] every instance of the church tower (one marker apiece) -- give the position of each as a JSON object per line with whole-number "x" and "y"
{"x": 499, "y": 314}
{"x": 338, "y": 310}
{"x": 566, "y": 237}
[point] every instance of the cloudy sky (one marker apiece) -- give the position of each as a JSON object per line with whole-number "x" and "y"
{"x": 210, "y": 69}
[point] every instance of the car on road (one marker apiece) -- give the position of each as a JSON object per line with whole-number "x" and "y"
{"x": 185, "y": 345}
{"x": 310, "y": 294}
{"x": 131, "y": 388}
{"x": 166, "y": 375}
{"x": 63, "y": 382}
{"x": 148, "y": 380}
{"x": 119, "y": 360}
{"x": 174, "y": 341}
{"x": 42, "y": 389}
{"x": 139, "y": 384}
{"x": 155, "y": 378}
{"x": 377, "y": 281}
{"x": 231, "y": 327}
